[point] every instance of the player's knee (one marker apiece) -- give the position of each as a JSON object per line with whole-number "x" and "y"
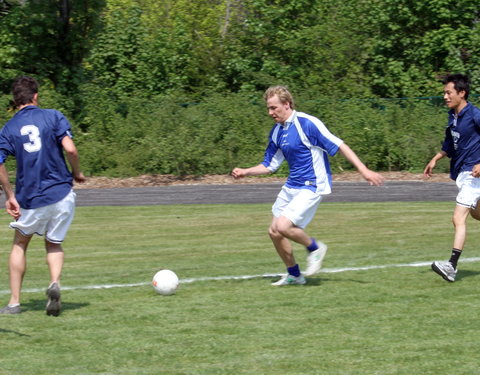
{"x": 455, "y": 221}
{"x": 283, "y": 228}
{"x": 273, "y": 232}
{"x": 458, "y": 221}
{"x": 52, "y": 247}
{"x": 21, "y": 239}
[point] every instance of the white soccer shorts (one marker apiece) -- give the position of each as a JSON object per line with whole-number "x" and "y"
{"x": 52, "y": 221}
{"x": 297, "y": 205}
{"x": 468, "y": 190}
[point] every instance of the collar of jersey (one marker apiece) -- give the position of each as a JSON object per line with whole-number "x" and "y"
{"x": 462, "y": 112}
{"x": 290, "y": 120}
{"x": 28, "y": 107}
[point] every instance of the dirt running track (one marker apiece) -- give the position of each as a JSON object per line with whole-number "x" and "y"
{"x": 399, "y": 191}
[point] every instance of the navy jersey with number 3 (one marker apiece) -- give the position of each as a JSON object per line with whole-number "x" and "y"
{"x": 33, "y": 136}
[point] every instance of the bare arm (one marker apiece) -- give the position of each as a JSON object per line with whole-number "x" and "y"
{"x": 372, "y": 177}
{"x": 73, "y": 159}
{"x": 11, "y": 204}
{"x": 257, "y": 170}
{"x": 431, "y": 164}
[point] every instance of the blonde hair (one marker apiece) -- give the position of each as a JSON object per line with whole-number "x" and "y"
{"x": 282, "y": 93}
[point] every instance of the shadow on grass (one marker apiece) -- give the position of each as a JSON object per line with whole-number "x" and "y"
{"x": 14, "y": 332}
{"x": 462, "y": 273}
{"x": 319, "y": 280}
{"x": 39, "y": 305}
{"x": 466, "y": 273}
{"x": 316, "y": 281}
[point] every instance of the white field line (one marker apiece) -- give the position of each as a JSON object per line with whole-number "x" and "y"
{"x": 243, "y": 277}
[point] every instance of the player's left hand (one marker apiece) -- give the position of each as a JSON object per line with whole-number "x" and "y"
{"x": 79, "y": 177}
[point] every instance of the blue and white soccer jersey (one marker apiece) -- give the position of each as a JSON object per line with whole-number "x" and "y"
{"x": 305, "y": 143}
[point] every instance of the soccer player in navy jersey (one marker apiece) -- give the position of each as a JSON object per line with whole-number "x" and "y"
{"x": 462, "y": 145}
{"x": 43, "y": 202}
{"x": 305, "y": 143}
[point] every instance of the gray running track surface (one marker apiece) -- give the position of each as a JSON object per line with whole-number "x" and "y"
{"x": 392, "y": 191}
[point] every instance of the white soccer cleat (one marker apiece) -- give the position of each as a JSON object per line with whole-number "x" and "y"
{"x": 315, "y": 259}
{"x": 290, "y": 280}
{"x": 445, "y": 269}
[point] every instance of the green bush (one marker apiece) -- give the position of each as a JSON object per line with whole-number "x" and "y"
{"x": 166, "y": 136}
{"x": 172, "y": 135}
{"x": 388, "y": 135}
{"x": 182, "y": 134}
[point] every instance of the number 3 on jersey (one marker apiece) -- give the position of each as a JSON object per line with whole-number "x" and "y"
{"x": 33, "y": 133}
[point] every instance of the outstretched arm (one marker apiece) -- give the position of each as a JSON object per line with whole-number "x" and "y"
{"x": 372, "y": 177}
{"x": 11, "y": 204}
{"x": 257, "y": 170}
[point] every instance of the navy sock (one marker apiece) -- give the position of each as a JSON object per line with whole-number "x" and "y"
{"x": 294, "y": 271}
{"x": 313, "y": 245}
{"x": 454, "y": 257}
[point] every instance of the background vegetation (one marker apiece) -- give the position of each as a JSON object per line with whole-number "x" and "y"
{"x": 175, "y": 86}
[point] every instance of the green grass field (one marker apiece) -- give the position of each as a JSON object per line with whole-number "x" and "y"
{"x": 384, "y": 320}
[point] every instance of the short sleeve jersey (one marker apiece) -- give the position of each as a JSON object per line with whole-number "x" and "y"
{"x": 462, "y": 140}
{"x": 33, "y": 136}
{"x": 305, "y": 143}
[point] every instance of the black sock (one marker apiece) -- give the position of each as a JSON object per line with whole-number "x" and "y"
{"x": 454, "y": 257}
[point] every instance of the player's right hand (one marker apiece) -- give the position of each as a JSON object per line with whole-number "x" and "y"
{"x": 13, "y": 208}
{"x": 427, "y": 172}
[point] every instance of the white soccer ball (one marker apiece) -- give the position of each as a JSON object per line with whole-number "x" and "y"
{"x": 165, "y": 282}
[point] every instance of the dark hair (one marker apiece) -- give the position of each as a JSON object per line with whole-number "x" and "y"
{"x": 461, "y": 82}
{"x": 23, "y": 89}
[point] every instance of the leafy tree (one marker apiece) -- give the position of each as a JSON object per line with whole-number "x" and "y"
{"x": 418, "y": 41}
{"x": 115, "y": 57}
{"x": 315, "y": 45}
{"x": 47, "y": 38}
{"x": 152, "y": 47}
